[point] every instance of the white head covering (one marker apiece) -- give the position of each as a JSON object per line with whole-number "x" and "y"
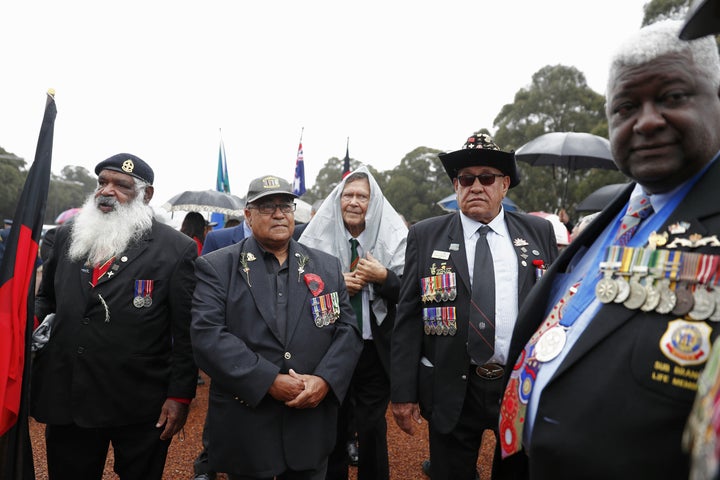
{"x": 385, "y": 234}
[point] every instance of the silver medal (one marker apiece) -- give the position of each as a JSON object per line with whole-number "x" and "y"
{"x": 550, "y": 344}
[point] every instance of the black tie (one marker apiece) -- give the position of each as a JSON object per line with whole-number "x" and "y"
{"x": 481, "y": 328}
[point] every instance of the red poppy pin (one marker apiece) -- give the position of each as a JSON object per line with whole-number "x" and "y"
{"x": 314, "y": 283}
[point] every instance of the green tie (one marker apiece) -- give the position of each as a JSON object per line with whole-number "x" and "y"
{"x": 356, "y": 300}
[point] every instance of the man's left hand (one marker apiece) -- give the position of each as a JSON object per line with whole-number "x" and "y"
{"x": 173, "y": 415}
{"x": 315, "y": 390}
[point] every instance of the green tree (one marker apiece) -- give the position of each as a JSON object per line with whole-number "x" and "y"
{"x": 558, "y": 99}
{"x": 13, "y": 173}
{"x": 68, "y": 190}
{"x": 416, "y": 185}
{"x": 657, "y": 10}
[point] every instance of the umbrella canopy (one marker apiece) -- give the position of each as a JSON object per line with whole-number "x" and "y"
{"x": 205, "y": 201}
{"x": 598, "y": 199}
{"x": 66, "y": 215}
{"x": 449, "y": 204}
{"x": 572, "y": 150}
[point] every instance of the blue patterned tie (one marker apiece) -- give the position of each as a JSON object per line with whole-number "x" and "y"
{"x": 638, "y": 210}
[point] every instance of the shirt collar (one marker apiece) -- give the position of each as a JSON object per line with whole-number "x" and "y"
{"x": 470, "y": 226}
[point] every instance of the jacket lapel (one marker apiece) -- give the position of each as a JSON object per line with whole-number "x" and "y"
{"x": 298, "y": 291}
{"x": 458, "y": 255}
{"x": 123, "y": 260}
{"x": 259, "y": 284}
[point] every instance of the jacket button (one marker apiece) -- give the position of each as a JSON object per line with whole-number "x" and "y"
{"x": 81, "y": 350}
{"x": 288, "y": 356}
{"x": 85, "y": 321}
{"x": 464, "y": 377}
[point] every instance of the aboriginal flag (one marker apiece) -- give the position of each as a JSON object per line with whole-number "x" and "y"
{"x": 17, "y": 298}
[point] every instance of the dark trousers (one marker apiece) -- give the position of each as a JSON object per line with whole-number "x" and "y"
{"x": 316, "y": 474}
{"x": 80, "y": 453}
{"x": 200, "y": 465}
{"x": 370, "y": 395}
{"x": 454, "y": 455}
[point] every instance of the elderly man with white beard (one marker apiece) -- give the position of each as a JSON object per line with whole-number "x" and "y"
{"x": 118, "y": 368}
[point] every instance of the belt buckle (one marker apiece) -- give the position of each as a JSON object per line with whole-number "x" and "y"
{"x": 490, "y": 371}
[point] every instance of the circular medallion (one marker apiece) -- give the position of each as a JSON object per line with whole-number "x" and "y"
{"x": 623, "y": 290}
{"x": 652, "y": 299}
{"x": 427, "y": 329}
{"x": 452, "y": 329}
{"x": 139, "y": 301}
{"x": 318, "y": 321}
{"x": 445, "y": 296}
{"x": 452, "y": 295}
{"x": 147, "y": 301}
{"x": 550, "y": 344}
{"x": 667, "y": 300}
{"x": 703, "y": 304}
{"x": 637, "y": 296}
{"x": 444, "y": 329}
{"x": 606, "y": 289}
{"x": 684, "y": 302}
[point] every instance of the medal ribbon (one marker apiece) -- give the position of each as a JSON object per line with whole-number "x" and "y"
{"x": 522, "y": 379}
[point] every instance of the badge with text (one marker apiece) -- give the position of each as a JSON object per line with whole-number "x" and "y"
{"x": 686, "y": 343}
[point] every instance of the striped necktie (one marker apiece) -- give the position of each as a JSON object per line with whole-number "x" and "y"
{"x": 481, "y": 324}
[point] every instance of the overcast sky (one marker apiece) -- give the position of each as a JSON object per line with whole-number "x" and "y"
{"x": 159, "y": 79}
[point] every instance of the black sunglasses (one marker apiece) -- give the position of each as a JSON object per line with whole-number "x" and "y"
{"x": 487, "y": 179}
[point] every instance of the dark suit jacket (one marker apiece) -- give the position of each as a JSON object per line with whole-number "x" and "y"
{"x": 109, "y": 363}
{"x": 616, "y": 407}
{"x": 237, "y": 342}
{"x": 440, "y": 389}
{"x": 223, "y": 237}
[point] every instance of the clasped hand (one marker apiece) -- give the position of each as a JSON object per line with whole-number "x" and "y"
{"x": 299, "y": 391}
{"x": 369, "y": 270}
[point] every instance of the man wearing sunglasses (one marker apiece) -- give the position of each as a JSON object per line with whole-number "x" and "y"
{"x": 273, "y": 327}
{"x": 465, "y": 274}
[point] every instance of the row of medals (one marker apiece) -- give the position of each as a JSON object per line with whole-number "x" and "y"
{"x": 325, "y": 309}
{"x": 439, "y": 288}
{"x": 681, "y": 283}
{"x": 662, "y": 281}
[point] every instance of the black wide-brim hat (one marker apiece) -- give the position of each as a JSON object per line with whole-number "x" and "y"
{"x": 703, "y": 18}
{"x": 480, "y": 150}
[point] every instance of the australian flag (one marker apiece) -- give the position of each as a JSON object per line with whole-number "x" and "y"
{"x": 299, "y": 179}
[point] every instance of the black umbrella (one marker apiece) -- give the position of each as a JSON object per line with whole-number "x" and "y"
{"x": 571, "y": 150}
{"x": 703, "y": 18}
{"x": 598, "y": 199}
{"x": 205, "y": 201}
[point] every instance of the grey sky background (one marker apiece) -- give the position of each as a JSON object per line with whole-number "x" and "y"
{"x": 159, "y": 79}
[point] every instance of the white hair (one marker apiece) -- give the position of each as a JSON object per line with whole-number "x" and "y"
{"x": 98, "y": 236}
{"x": 659, "y": 39}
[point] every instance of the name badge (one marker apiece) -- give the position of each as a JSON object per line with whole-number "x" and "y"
{"x": 440, "y": 255}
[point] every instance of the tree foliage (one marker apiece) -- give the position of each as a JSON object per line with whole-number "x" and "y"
{"x": 67, "y": 190}
{"x": 558, "y": 99}
{"x": 416, "y": 185}
{"x": 657, "y": 10}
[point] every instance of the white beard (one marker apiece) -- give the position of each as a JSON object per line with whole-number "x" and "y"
{"x": 97, "y": 236}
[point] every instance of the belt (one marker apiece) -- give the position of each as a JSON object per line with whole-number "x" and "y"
{"x": 490, "y": 371}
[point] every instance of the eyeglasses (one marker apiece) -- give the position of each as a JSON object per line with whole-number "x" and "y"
{"x": 269, "y": 208}
{"x": 360, "y": 197}
{"x": 487, "y": 179}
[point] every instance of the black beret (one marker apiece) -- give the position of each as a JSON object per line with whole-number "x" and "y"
{"x": 480, "y": 150}
{"x": 129, "y": 164}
